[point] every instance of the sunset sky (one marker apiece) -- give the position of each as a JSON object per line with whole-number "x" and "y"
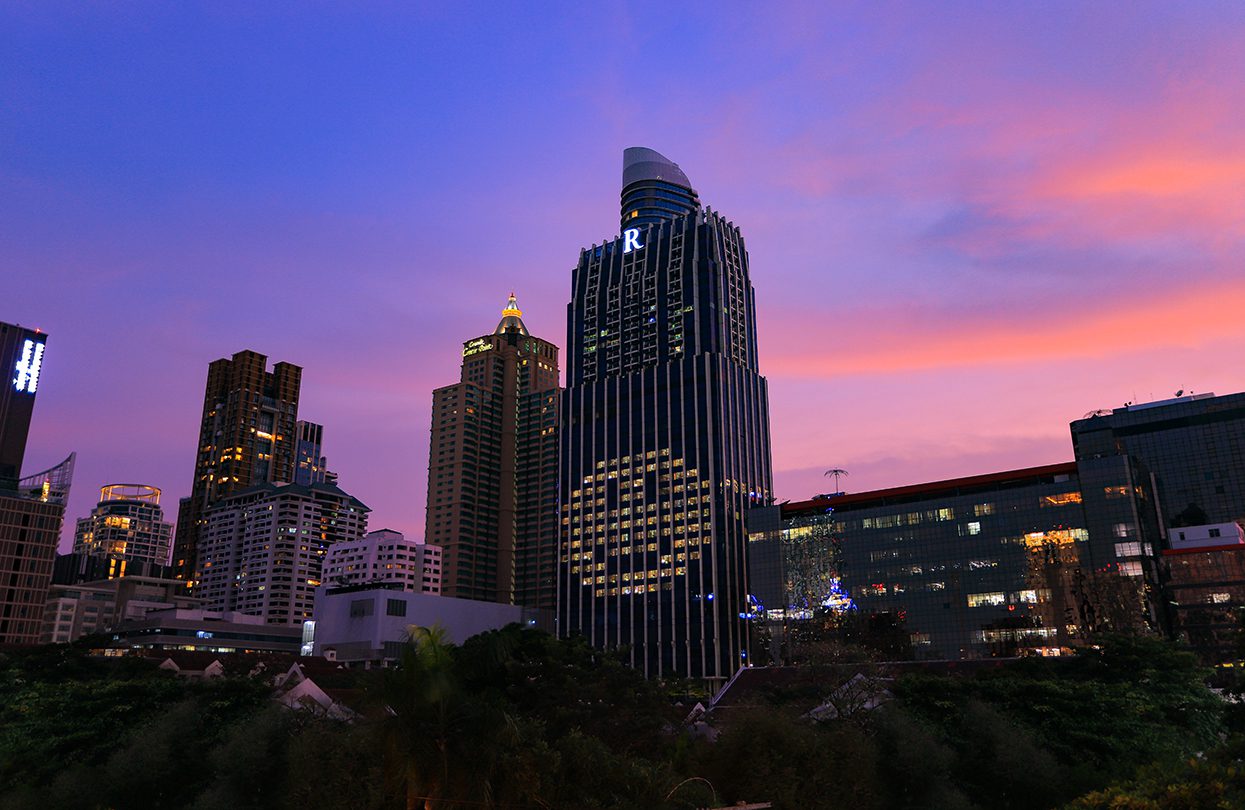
{"x": 968, "y": 223}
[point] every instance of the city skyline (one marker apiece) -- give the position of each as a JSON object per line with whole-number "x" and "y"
{"x": 976, "y": 231}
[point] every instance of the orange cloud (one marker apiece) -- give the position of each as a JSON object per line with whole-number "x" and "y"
{"x": 1155, "y": 175}
{"x": 1196, "y": 318}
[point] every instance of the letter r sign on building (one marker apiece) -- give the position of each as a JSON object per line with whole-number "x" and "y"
{"x": 631, "y": 240}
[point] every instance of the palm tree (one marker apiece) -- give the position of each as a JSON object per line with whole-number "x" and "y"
{"x": 442, "y": 742}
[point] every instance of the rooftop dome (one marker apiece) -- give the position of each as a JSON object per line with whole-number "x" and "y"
{"x": 511, "y": 319}
{"x": 654, "y": 189}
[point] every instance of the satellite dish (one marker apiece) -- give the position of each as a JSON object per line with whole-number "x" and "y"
{"x": 1180, "y": 393}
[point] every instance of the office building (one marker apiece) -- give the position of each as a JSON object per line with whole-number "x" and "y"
{"x": 665, "y": 433}
{"x": 310, "y": 465}
{"x": 988, "y": 565}
{"x": 126, "y": 526}
{"x": 21, "y": 355}
{"x": 384, "y": 556}
{"x": 1194, "y": 445}
{"x": 246, "y": 437}
{"x": 74, "y": 611}
{"x": 492, "y": 469}
{"x": 262, "y": 549}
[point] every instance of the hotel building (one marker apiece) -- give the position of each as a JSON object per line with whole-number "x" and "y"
{"x": 665, "y": 433}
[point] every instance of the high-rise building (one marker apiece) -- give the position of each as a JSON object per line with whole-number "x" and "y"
{"x": 665, "y": 433}
{"x": 310, "y": 463}
{"x": 21, "y": 355}
{"x": 32, "y": 509}
{"x": 126, "y": 526}
{"x": 384, "y": 556}
{"x": 1194, "y": 445}
{"x": 262, "y": 549}
{"x": 246, "y": 437}
{"x": 493, "y": 466}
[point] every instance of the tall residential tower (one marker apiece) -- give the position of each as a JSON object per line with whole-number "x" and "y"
{"x": 665, "y": 433}
{"x": 246, "y": 437}
{"x": 493, "y": 467}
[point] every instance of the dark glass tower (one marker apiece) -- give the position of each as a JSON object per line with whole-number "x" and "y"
{"x": 665, "y": 433}
{"x": 21, "y": 354}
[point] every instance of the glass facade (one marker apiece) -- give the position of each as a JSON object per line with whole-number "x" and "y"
{"x": 1194, "y": 446}
{"x": 1206, "y": 588}
{"x": 21, "y": 355}
{"x": 973, "y": 567}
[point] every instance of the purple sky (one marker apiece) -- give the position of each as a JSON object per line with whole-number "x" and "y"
{"x": 968, "y": 223}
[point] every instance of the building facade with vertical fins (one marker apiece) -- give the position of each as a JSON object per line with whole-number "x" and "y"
{"x": 246, "y": 437}
{"x": 492, "y": 469}
{"x": 665, "y": 433}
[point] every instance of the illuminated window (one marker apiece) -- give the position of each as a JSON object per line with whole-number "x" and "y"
{"x": 984, "y": 599}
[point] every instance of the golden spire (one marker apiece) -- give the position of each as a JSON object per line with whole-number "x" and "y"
{"x": 512, "y": 308}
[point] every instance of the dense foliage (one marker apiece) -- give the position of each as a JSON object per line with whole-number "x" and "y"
{"x": 515, "y": 718}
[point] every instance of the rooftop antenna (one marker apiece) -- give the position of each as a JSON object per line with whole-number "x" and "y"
{"x": 837, "y": 473}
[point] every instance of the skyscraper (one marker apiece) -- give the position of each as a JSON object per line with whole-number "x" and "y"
{"x": 492, "y": 469}
{"x": 21, "y": 353}
{"x": 246, "y": 437}
{"x": 32, "y": 509}
{"x": 127, "y": 525}
{"x": 665, "y": 433}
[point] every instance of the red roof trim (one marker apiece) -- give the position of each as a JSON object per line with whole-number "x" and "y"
{"x": 932, "y": 488}
{"x": 1167, "y": 552}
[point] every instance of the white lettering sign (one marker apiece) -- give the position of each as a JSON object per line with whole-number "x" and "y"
{"x": 631, "y": 240}
{"x": 27, "y": 368}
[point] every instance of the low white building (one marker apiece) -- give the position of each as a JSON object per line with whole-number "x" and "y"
{"x": 384, "y": 556}
{"x": 367, "y": 625}
{"x": 1209, "y": 535}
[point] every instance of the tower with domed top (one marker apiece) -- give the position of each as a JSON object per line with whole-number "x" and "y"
{"x": 492, "y": 468}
